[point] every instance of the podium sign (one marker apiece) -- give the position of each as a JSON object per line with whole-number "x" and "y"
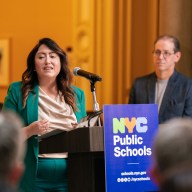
{"x": 128, "y": 137}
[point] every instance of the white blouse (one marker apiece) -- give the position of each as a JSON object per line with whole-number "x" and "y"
{"x": 59, "y": 114}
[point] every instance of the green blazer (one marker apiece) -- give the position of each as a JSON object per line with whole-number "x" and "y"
{"x": 29, "y": 114}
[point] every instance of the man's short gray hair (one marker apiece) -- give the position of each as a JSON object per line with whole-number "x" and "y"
{"x": 11, "y": 142}
{"x": 173, "y": 146}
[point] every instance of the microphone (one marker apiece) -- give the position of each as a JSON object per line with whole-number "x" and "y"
{"x": 92, "y": 77}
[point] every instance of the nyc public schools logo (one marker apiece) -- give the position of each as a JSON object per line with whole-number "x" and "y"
{"x": 130, "y": 144}
{"x": 139, "y": 123}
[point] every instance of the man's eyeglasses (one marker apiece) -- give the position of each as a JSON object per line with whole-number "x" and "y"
{"x": 165, "y": 54}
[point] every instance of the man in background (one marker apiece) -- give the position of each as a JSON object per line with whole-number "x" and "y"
{"x": 12, "y": 150}
{"x": 172, "y": 152}
{"x": 166, "y": 87}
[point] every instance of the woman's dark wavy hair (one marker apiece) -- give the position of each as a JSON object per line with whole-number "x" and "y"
{"x": 64, "y": 78}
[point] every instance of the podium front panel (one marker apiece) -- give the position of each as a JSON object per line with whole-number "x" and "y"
{"x": 86, "y": 165}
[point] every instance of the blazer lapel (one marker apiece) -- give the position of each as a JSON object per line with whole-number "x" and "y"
{"x": 32, "y": 105}
{"x": 151, "y": 88}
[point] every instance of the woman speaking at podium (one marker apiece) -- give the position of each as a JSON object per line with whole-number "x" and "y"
{"x": 46, "y": 100}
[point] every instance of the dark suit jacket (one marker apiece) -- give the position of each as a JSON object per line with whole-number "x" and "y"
{"x": 177, "y": 99}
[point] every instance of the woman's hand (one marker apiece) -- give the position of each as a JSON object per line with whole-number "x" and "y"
{"x": 36, "y": 128}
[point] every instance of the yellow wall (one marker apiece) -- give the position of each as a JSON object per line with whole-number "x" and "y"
{"x": 72, "y": 22}
{"x": 25, "y": 22}
{"x": 112, "y": 38}
{"x": 119, "y": 38}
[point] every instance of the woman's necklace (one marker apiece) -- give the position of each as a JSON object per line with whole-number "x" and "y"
{"x": 57, "y": 97}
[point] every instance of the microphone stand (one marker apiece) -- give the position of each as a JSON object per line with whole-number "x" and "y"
{"x": 95, "y": 104}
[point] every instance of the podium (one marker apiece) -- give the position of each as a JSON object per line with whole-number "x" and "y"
{"x": 86, "y": 165}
